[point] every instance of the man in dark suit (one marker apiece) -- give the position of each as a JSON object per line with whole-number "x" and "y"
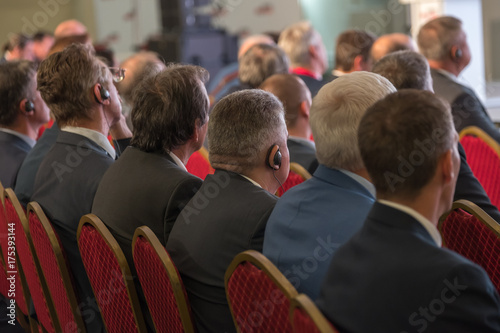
{"x": 410, "y": 70}
{"x": 444, "y": 43}
{"x": 393, "y": 275}
{"x": 22, "y": 113}
{"x": 296, "y": 98}
{"x": 228, "y": 215}
{"x": 79, "y": 90}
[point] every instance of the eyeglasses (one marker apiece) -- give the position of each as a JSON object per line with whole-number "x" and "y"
{"x": 118, "y": 73}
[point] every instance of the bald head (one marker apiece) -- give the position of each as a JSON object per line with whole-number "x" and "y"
{"x": 70, "y": 28}
{"x": 251, "y": 41}
{"x": 390, "y": 43}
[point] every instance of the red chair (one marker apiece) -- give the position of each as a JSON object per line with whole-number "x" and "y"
{"x": 468, "y": 230}
{"x": 110, "y": 277}
{"x": 28, "y": 260}
{"x": 161, "y": 283}
{"x": 306, "y": 317}
{"x": 55, "y": 270}
{"x": 3, "y": 246}
{"x": 258, "y": 294}
{"x": 483, "y": 156}
{"x": 199, "y": 165}
{"x": 298, "y": 174}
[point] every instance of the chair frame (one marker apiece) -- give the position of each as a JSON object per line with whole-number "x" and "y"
{"x": 479, "y": 133}
{"x": 303, "y": 302}
{"x": 34, "y": 208}
{"x": 111, "y": 242}
{"x": 300, "y": 170}
{"x": 175, "y": 281}
{"x": 261, "y": 262}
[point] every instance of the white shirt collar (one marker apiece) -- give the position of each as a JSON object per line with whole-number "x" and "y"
{"x": 251, "y": 180}
{"x": 449, "y": 75}
{"x": 178, "y": 161}
{"x": 95, "y": 136}
{"x": 24, "y": 137}
{"x": 337, "y": 72}
{"x": 366, "y": 184}
{"x": 302, "y": 140}
{"x": 431, "y": 228}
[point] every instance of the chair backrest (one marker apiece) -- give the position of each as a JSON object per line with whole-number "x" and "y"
{"x": 28, "y": 260}
{"x": 3, "y": 224}
{"x": 298, "y": 174}
{"x": 161, "y": 283}
{"x": 199, "y": 165}
{"x": 55, "y": 270}
{"x": 483, "y": 157}
{"x": 306, "y": 317}
{"x": 110, "y": 277}
{"x": 468, "y": 230}
{"x": 258, "y": 294}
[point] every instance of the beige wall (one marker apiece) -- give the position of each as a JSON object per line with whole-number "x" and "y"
{"x": 491, "y": 26}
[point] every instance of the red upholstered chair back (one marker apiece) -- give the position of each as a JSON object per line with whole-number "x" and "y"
{"x": 483, "y": 156}
{"x": 296, "y": 176}
{"x": 110, "y": 277}
{"x": 199, "y": 165}
{"x": 16, "y": 217}
{"x": 3, "y": 225}
{"x": 161, "y": 283}
{"x": 471, "y": 232}
{"x": 306, "y": 317}
{"x": 55, "y": 270}
{"x": 258, "y": 294}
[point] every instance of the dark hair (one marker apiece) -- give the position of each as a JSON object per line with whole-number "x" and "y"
{"x": 40, "y": 35}
{"x": 260, "y": 62}
{"x": 17, "y": 40}
{"x": 351, "y": 44}
{"x": 166, "y": 107}
{"x": 401, "y": 139}
{"x": 17, "y": 82}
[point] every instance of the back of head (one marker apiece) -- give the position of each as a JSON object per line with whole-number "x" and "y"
{"x": 436, "y": 37}
{"x": 166, "y": 107}
{"x": 296, "y": 40}
{"x": 242, "y": 127}
{"x": 260, "y": 62}
{"x": 291, "y": 91}
{"x": 405, "y": 70}
{"x": 17, "y": 82}
{"x": 66, "y": 80}
{"x": 350, "y": 44}
{"x": 63, "y": 42}
{"x": 335, "y": 115}
{"x": 70, "y": 28}
{"x": 391, "y": 43}
{"x": 17, "y": 41}
{"x": 401, "y": 139}
{"x": 254, "y": 40}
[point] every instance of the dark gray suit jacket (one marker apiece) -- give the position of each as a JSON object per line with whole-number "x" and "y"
{"x": 303, "y": 154}
{"x": 392, "y": 277}
{"x": 228, "y": 215}
{"x": 315, "y": 85}
{"x": 13, "y": 151}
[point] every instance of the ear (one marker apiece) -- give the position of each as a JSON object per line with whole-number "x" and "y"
{"x": 453, "y": 53}
{"x": 304, "y": 109}
{"x": 313, "y": 52}
{"x": 446, "y": 166}
{"x": 22, "y": 108}
{"x": 358, "y": 64}
{"x": 196, "y": 132}
{"x": 97, "y": 95}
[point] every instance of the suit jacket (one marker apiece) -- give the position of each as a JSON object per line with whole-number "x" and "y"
{"x": 228, "y": 215}
{"x": 303, "y": 154}
{"x": 309, "y": 223}
{"x": 392, "y": 277}
{"x": 466, "y": 108}
{"x": 315, "y": 85}
{"x": 65, "y": 186}
{"x": 13, "y": 151}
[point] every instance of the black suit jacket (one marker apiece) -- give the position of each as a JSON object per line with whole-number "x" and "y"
{"x": 13, "y": 151}
{"x": 228, "y": 215}
{"x": 315, "y": 85}
{"x": 466, "y": 108}
{"x": 392, "y": 277}
{"x": 303, "y": 154}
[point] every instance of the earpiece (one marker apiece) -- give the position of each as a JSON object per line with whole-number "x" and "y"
{"x": 104, "y": 94}
{"x": 273, "y": 159}
{"x": 29, "y": 106}
{"x": 458, "y": 53}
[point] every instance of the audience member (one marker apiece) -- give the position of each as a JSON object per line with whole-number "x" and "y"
{"x": 70, "y": 28}
{"x": 228, "y": 215}
{"x": 393, "y": 271}
{"x": 304, "y": 46}
{"x": 296, "y": 98}
{"x": 63, "y": 42}
{"x": 18, "y": 47}
{"x": 352, "y": 52}
{"x": 390, "y": 43}
{"x": 314, "y": 218}
{"x": 444, "y": 43}
{"x": 79, "y": 90}
{"x": 22, "y": 112}
{"x": 42, "y": 43}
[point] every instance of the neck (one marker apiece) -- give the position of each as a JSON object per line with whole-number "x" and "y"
{"x": 300, "y": 132}
{"x": 264, "y": 177}
{"x": 362, "y": 173}
{"x": 24, "y": 127}
{"x": 184, "y": 152}
{"x": 448, "y": 66}
{"x": 97, "y": 122}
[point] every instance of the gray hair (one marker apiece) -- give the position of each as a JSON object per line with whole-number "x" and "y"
{"x": 336, "y": 112}
{"x": 260, "y": 62}
{"x": 436, "y": 38}
{"x": 242, "y": 127}
{"x": 295, "y": 41}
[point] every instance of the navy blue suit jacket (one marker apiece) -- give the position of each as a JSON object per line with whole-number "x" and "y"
{"x": 13, "y": 151}
{"x": 392, "y": 277}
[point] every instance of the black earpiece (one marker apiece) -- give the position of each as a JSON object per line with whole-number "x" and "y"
{"x": 29, "y": 106}
{"x": 458, "y": 53}
{"x": 273, "y": 159}
{"x": 104, "y": 94}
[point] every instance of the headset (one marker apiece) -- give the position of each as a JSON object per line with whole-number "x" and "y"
{"x": 29, "y": 106}
{"x": 273, "y": 159}
{"x": 104, "y": 94}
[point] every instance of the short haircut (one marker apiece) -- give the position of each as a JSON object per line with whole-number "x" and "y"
{"x": 350, "y": 44}
{"x": 40, "y": 35}
{"x": 405, "y": 70}
{"x": 61, "y": 43}
{"x": 242, "y": 127}
{"x": 260, "y": 62}
{"x": 296, "y": 40}
{"x": 291, "y": 91}
{"x": 401, "y": 139}
{"x": 335, "y": 115}
{"x": 167, "y": 106}
{"x": 17, "y": 40}
{"x": 66, "y": 81}
{"x": 17, "y": 82}
{"x": 436, "y": 37}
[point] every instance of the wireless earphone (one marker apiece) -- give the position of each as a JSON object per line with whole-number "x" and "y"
{"x": 458, "y": 53}
{"x": 104, "y": 94}
{"x": 29, "y": 106}
{"x": 273, "y": 159}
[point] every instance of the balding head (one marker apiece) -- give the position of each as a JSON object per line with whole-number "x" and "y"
{"x": 249, "y": 42}
{"x": 390, "y": 43}
{"x": 70, "y": 28}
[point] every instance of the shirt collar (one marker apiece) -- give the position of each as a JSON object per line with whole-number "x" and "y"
{"x": 95, "y": 136}
{"x": 302, "y": 140}
{"x": 448, "y": 75}
{"x": 364, "y": 182}
{"x": 23, "y": 137}
{"x": 431, "y": 228}
{"x": 305, "y": 72}
{"x": 337, "y": 72}
{"x": 250, "y": 180}
{"x": 178, "y": 161}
